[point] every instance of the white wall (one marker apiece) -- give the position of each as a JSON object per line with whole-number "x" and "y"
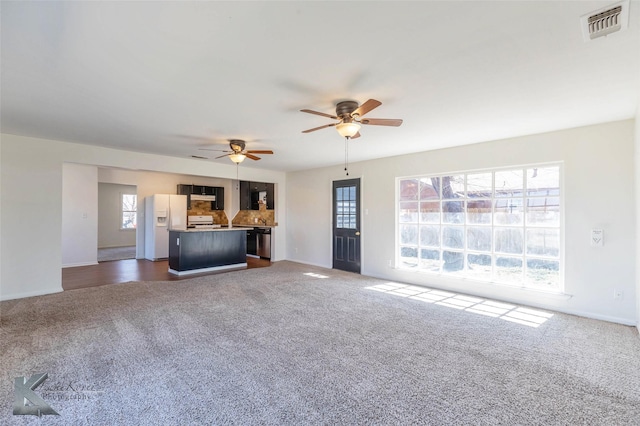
{"x": 637, "y": 191}
{"x": 598, "y": 188}
{"x": 79, "y": 215}
{"x": 31, "y": 184}
{"x": 109, "y": 216}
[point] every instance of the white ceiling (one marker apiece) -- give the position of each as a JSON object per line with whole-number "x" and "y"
{"x": 172, "y": 77}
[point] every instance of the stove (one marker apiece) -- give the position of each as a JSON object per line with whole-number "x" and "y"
{"x": 201, "y": 222}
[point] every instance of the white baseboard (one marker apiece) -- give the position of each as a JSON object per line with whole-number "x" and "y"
{"x": 4, "y": 297}
{"x": 310, "y": 263}
{"x": 73, "y": 265}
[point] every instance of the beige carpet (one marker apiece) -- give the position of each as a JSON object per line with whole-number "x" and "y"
{"x": 116, "y": 253}
{"x": 295, "y": 345}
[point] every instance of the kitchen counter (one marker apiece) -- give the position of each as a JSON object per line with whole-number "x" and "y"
{"x": 235, "y": 228}
{"x": 254, "y": 225}
{"x": 205, "y": 250}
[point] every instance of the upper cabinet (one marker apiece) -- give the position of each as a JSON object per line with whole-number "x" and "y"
{"x": 215, "y": 193}
{"x": 251, "y": 193}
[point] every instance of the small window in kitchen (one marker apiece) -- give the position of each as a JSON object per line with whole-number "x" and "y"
{"x": 128, "y": 211}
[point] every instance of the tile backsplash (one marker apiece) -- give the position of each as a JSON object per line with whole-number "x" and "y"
{"x": 200, "y": 208}
{"x": 255, "y": 217}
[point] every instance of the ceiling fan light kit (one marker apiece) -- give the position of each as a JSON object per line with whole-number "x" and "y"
{"x": 238, "y": 152}
{"x": 237, "y": 158}
{"x": 348, "y": 130}
{"x": 349, "y": 115}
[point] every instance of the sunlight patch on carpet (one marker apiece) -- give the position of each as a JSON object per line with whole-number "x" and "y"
{"x": 314, "y": 275}
{"x": 504, "y": 311}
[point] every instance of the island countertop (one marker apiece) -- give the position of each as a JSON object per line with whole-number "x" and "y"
{"x": 222, "y": 229}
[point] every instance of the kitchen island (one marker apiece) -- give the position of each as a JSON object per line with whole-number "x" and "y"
{"x": 205, "y": 250}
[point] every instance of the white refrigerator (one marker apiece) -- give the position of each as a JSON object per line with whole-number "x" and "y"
{"x": 163, "y": 213}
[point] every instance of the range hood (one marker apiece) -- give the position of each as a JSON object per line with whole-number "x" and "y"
{"x": 199, "y": 197}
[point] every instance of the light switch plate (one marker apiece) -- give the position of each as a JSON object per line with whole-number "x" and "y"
{"x": 597, "y": 237}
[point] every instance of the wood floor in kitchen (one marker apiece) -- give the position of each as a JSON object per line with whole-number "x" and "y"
{"x": 121, "y": 271}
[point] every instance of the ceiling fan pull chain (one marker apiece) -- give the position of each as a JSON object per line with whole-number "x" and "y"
{"x": 346, "y": 155}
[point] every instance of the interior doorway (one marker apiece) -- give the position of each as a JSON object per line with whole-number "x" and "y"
{"x": 346, "y": 225}
{"x": 117, "y": 221}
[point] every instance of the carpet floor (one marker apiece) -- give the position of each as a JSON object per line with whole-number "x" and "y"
{"x": 116, "y": 253}
{"x": 295, "y": 344}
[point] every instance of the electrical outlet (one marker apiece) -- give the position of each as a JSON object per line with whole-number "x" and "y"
{"x": 618, "y": 294}
{"x": 390, "y": 263}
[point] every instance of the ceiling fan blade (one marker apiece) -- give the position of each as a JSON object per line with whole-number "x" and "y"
{"x": 253, "y": 157}
{"x": 366, "y": 107}
{"x": 319, "y": 113}
{"x": 253, "y": 151}
{"x": 318, "y": 128}
{"x": 382, "y": 121}
{"x": 226, "y": 155}
{"x": 357, "y": 135}
{"x": 219, "y": 150}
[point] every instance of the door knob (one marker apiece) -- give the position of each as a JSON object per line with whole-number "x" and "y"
{"x": 357, "y": 232}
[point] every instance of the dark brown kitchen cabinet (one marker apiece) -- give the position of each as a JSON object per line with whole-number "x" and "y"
{"x": 245, "y": 195}
{"x": 185, "y": 190}
{"x": 250, "y": 195}
{"x": 216, "y": 191}
{"x": 218, "y": 204}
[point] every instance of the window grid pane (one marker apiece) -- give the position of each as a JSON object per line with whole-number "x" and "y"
{"x": 501, "y": 226}
{"x": 128, "y": 210}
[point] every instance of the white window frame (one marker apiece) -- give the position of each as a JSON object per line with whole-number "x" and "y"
{"x": 493, "y": 226}
{"x": 123, "y": 211}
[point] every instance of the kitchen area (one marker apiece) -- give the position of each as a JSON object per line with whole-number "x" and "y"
{"x": 194, "y": 232}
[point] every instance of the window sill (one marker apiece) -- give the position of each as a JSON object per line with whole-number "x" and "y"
{"x": 526, "y": 292}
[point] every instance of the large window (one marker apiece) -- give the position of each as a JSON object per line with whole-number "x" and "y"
{"x": 128, "y": 209}
{"x": 500, "y": 225}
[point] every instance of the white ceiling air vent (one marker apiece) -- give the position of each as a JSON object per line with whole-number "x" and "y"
{"x": 607, "y": 20}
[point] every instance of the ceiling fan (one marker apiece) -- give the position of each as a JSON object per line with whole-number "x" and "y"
{"x": 238, "y": 152}
{"x": 350, "y": 117}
